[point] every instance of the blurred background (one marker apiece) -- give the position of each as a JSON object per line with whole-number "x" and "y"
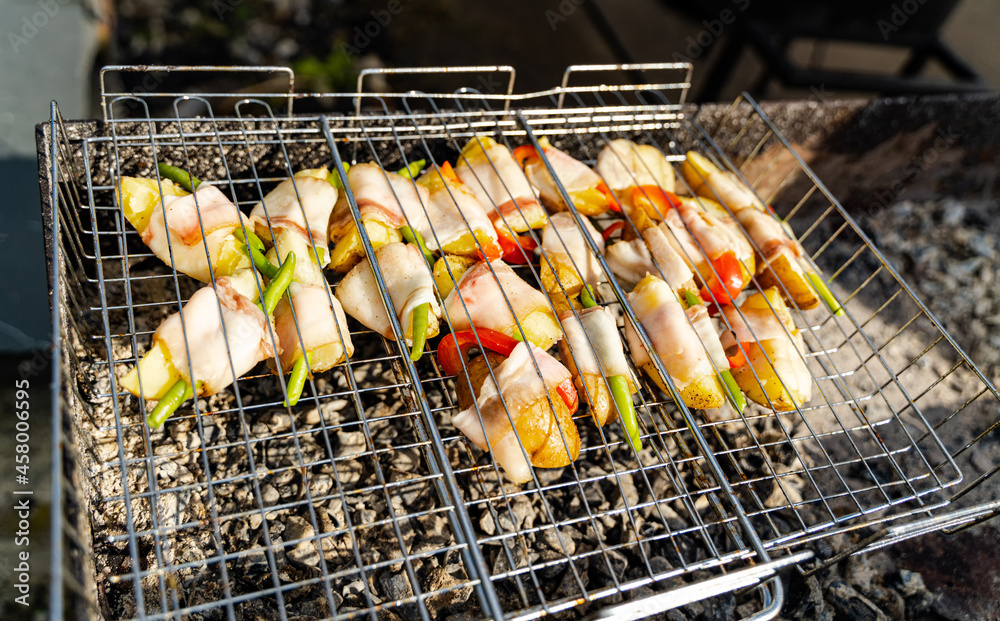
{"x": 53, "y": 50}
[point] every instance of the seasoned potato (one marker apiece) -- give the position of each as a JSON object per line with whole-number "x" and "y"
{"x": 138, "y": 197}
{"x": 568, "y": 279}
{"x": 349, "y": 249}
{"x": 774, "y": 358}
{"x": 702, "y": 394}
{"x": 441, "y": 276}
{"x": 786, "y": 270}
{"x": 545, "y": 437}
{"x": 540, "y": 328}
{"x": 158, "y": 374}
{"x": 466, "y": 244}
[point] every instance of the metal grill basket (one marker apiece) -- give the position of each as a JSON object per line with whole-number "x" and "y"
{"x": 363, "y": 500}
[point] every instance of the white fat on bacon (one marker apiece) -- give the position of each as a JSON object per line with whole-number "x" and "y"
{"x": 207, "y": 210}
{"x": 731, "y": 191}
{"x": 625, "y": 164}
{"x": 769, "y": 236}
{"x": 654, "y": 254}
{"x": 492, "y": 173}
{"x": 391, "y": 199}
{"x": 302, "y": 204}
{"x": 594, "y": 344}
{"x": 574, "y": 175}
{"x": 219, "y": 325}
{"x": 483, "y": 292}
{"x": 312, "y": 320}
{"x": 518, "y": 381}
{"x": 408, "y": 281}
{"x": 453, "y": 211}
{"x": 705, "y": 327}
{"x": 563, "y": 243}
{"x": 673, "y": 339}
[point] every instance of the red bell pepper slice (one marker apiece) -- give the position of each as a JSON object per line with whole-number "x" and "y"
{"x": 654, "y": 200}
{"x": 728, "y": 282}
{"x": 454, "y": 347}
{"x": 569, "y": 395}
{"x": 608, "y": 232}
{"x": 515, "y": 249}
{"x": 613, "y": 203}
{"x": 737, "y": 359}
{"x": 524, "y": 152}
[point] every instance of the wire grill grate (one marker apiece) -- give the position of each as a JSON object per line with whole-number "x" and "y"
{"x": 364, "y": 499}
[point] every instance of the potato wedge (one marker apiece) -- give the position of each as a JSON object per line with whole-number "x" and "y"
{"x": 138, "y": 197}
{"x": 349, "y": 249}
{"x": 701, "y": 394}
{"x": 158, "y": 374}
{"x": 442, "y": 279}
{"x": 785, "y": 269}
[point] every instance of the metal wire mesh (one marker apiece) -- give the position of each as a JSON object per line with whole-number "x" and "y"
{"x": 364, "y": 498}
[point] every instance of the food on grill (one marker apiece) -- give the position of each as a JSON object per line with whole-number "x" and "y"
{"x": 626, "y": 165}
{"x": 593, "y": 351}
{"x": 697, "y": 314}
{"x": 456, "y": 221}
{"x": 654, "y": 253}
{"x": 408, "y": 281}
{"x": 719, "y": 255}
{"x": 294, "y": 217}
{"x": 522, "y": 413}
{"x": 384, "y": 200}
{"x": 485, "y": 297}
{"x": 781, "y": 258}
{"x": 767, "y": 343}
{"x": 675, "y": 342}
{"x": 219, "y": 335}
{"x": 194, "y": 222}
{"x": 568, "y": 263}
{"x": 448, "y": 271}
{"x": 590, "y": 195}
{"x": 310, "y": 319}
{"x": 491, "y": 172}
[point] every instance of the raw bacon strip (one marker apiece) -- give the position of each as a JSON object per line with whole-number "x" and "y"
{"x": 525, "y": 395}
{"x": 408, "y": 281}
{"x": 240, "y": 334}
{"x": 484, "y": 298}
{"x": 310, "y": 216}
{"x": 317, "y": 316}
{"x": 207, "y": 209}
{"x": 672, "y": 337}
{"x": 565, "y": 246}
{"x": 381, "y": 196}
{"x": 493, "y": 175}
{"x": 603, "y": 351}
{"x": 454, "y": 211}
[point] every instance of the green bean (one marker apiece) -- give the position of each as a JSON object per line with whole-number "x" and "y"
{"x": 413, "y": 169}
{"x": 179, "y": 176}
{"x": 276, "y": 288}
{"x": 626, "y": 409}
{"x": 297, "y": 380}
{"x": 334, "y": 179}
{"x": 420, "y": 314}
{"x": 174, "y": 397}
{"x": 733, "y": 392}
{"x": 691, "y": 298}
{"x": 587, "y": 297}
{"x": 824, "y": 294}
{"x": 413, "y": 237}
{"x": 255, "y": 248}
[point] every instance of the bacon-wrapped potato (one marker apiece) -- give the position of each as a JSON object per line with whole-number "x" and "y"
{"x": 675, "y": 342}
{"x": 537, "y": 401}
{"x": 767, "y": 343}
{"x": 590, "y": 195}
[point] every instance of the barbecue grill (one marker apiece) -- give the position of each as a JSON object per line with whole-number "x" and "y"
{"x": 363, "y": 500}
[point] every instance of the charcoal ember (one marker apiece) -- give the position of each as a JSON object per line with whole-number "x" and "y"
{"x": 447, "y": 591}
{"x": 395, "y": 586}
{"x": 562, "y": 541}
{"x": 888, "y": 600}
{"x": 806, "y": 601}
{"x": 917, "y": 597}
{"x": 720, "y": 608}
{"x": 849, "y": 604}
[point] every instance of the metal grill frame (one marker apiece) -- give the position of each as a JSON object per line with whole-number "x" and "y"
{"x": 753, "y": 533}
